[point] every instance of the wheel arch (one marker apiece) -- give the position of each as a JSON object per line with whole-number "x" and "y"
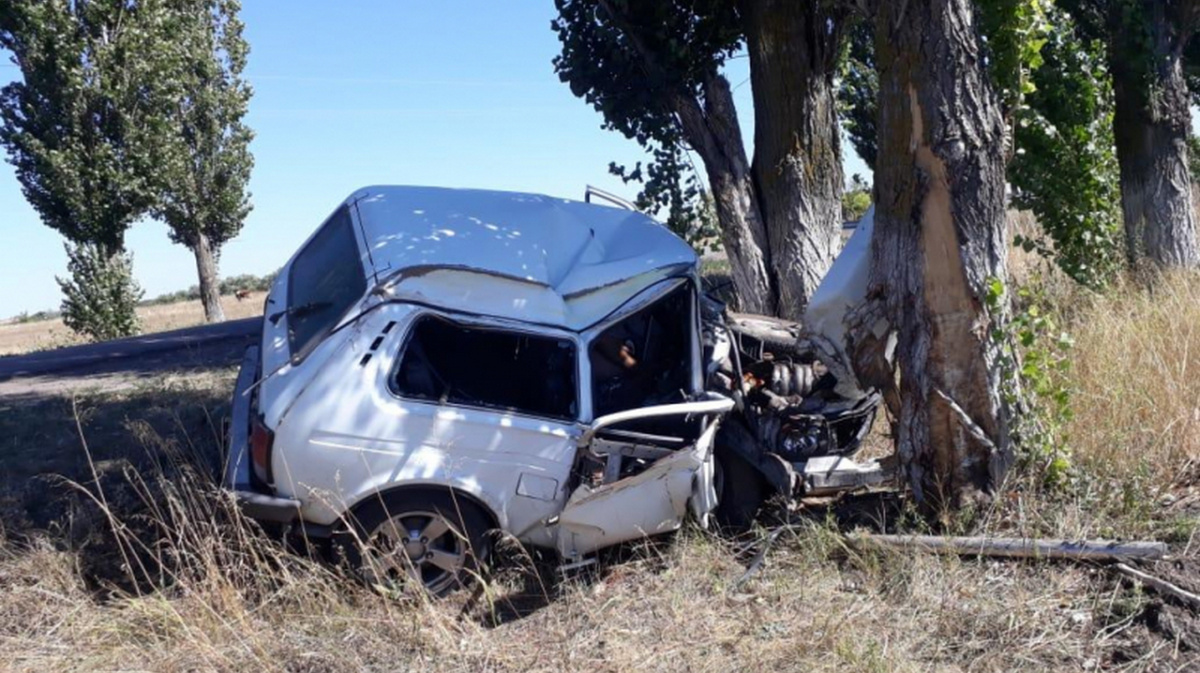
{"x": 455, "y": 494}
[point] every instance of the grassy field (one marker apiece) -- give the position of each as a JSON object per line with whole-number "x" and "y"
{"x": 117, "y": 552}
{"x": 43, "y": 334}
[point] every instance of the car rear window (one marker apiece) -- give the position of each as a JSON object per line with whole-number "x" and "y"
{"x": 325, "y": 280}
{"x": 452, "y": 363}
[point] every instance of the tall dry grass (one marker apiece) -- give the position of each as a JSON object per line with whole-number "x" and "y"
{"x": 169, "y": 577}
{"x": 1136, "y": 376}
{"x": 1133, "y": 435}
{"x": 24, "y": 337}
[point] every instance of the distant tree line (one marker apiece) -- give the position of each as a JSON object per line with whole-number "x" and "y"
{"x": 228, "y": 286}
{"x": 128, "y": 109}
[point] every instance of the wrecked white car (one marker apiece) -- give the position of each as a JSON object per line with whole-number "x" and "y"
{"x": 439, "y": 363}
{"x": 436, "y": 364}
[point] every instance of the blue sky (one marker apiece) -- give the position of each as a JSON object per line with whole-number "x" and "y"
{"x": 457, "y": 93}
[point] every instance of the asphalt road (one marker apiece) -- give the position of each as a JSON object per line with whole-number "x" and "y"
{"x": 123, "y": 360}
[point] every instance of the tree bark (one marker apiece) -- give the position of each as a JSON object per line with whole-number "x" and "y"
{"x": 1151, "y": 125}
{"x": 210, "y": 288}
{"x": 939, "y": 239}
{"x": 711, "y": 128}
{"x": 709, "y": 124}
{"x": 793, "y": 49}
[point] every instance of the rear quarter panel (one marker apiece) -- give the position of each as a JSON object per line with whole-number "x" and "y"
{"x": 348, "y": 437}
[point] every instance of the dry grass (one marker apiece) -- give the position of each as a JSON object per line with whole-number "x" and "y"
{"x": 43, "y": 334}
{"x": 1134, "y": 435}
{"x": 161, "y": 574}
{"x": 1137, "y": 376}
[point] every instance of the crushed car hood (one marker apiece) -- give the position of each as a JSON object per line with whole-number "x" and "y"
{"x": 530, "y": 257}
{"x": 833, "y": 304}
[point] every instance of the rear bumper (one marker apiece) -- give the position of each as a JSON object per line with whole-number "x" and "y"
{"x": 237, "y": 478}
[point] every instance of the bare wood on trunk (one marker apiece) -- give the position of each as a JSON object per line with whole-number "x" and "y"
{"x": 939, "y": 237}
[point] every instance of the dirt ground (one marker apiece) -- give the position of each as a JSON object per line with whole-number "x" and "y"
{"x": 47, "y": 334}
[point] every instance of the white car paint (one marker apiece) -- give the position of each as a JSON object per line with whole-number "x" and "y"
{"x": 841, "y": 292}
{"x": 513, "y": 261}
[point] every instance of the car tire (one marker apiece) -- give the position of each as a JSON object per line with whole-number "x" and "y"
{"x": 434, "y": 537}
{"x": 741, "y": 492}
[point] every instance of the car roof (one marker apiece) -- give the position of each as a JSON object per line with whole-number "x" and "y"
{"x": 521, "y": 256}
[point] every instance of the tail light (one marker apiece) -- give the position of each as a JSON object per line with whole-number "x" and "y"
{"x": 261, "y": 440}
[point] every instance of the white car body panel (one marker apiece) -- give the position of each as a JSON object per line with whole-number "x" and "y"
{"x": 497, "y": 260}
{"x": 533, "y": 258}
{"x": 650, "y": 503}
{"x": 842, "y": 290}
{"x": 348, "y": 437}
{"x": 282, "y": 382}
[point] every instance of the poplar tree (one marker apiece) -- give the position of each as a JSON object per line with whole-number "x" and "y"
{"x": 77, "y": 126}
{"x": 202, "y": 195}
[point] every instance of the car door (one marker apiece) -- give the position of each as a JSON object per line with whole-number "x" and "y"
{"x": 652, "y": 440}
{"x": 482, "y": 406}
{"x": 655, "y": 499}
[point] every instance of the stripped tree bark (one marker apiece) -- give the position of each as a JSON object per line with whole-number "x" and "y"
{"x": 939, "y": 241}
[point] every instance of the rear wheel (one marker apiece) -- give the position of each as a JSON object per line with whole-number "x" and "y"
{"x": 430, "y": 539}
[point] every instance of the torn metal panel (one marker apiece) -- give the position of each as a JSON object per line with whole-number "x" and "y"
{"x": 652, "y": 502}
{"x": 835, "y": 474}
{"x": 839, "y": 301}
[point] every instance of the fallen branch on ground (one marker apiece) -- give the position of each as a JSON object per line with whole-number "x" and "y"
{"x": 1161, "y": 586}
{"x": 1085, "y": 550}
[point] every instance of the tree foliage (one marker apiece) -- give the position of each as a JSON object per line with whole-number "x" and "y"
{"x": 1154, "y": 66}
{"x": 632, "y": 71}
{"x": 100, "y": 296}
{"x": 75, "y": 127}
{"x": 206, "y": 163}
{"x": 1016, "y": 31}
{"x": 858, "y": 95}
{"x": 1065, "y": 169}
{"x": 856, "y": 199}
{"x": 672, "y": 185}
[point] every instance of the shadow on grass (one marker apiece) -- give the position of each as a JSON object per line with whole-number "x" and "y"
{"x": 73, "y": 469}
{"x": 139, "y": 465}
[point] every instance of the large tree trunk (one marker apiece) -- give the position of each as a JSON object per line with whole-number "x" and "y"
{"x": 210, "y": 288}
{"x": 793, "y": 48}
{"x": 714, "y": 134}
{"x": 1151, "y": 125}
{"x": 939, "y": 239}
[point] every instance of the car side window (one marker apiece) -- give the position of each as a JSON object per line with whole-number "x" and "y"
{"x": 453, "y": 363}
{"x": 326, "y": 279}
{"x": 644, "y": 359}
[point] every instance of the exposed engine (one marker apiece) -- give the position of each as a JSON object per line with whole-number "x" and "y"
{"x": 789, "y": 403}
